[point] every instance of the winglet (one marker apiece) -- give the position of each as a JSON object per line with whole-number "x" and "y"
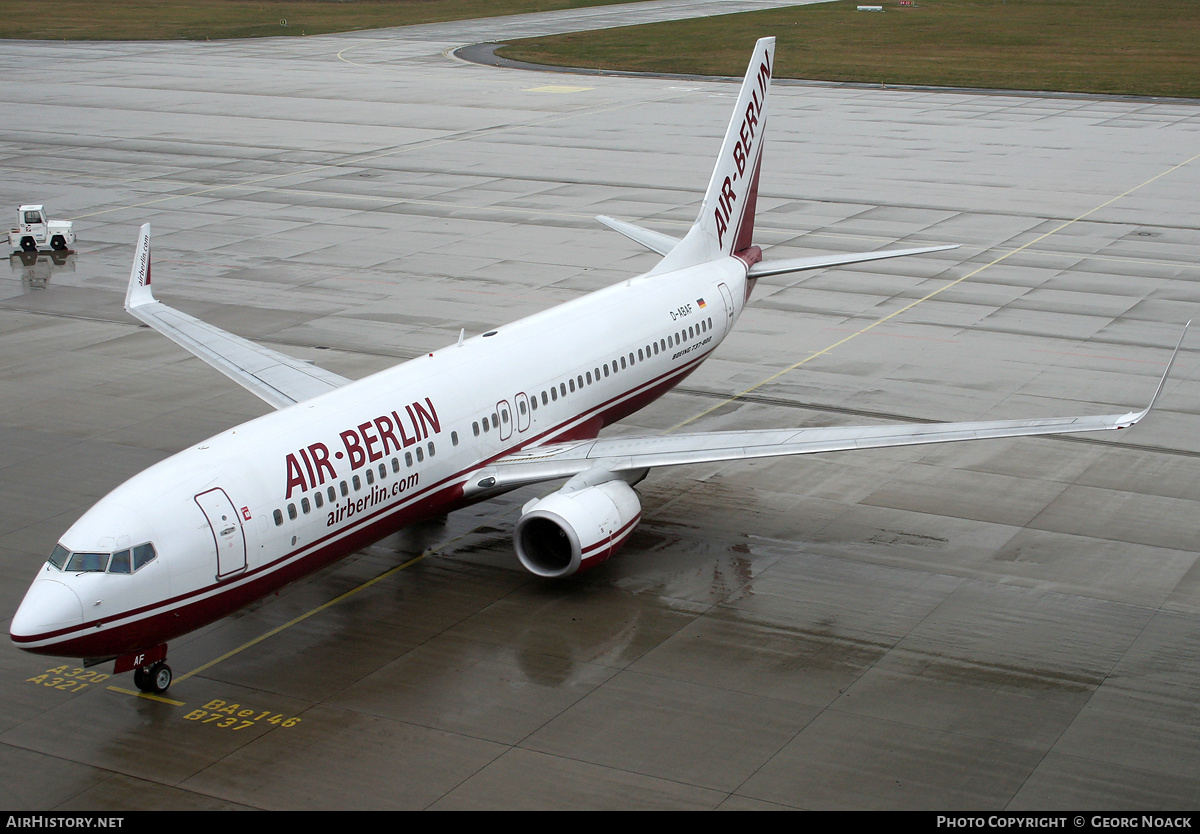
{"x": 1162, "y": 382}
{"x": 139, "y": 291}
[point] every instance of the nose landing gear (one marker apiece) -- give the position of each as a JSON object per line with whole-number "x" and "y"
{"x": 155, "y": 678}
{"x": 150, "y": 670}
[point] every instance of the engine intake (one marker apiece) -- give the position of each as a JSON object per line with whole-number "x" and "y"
{"x": 576, "y": 528}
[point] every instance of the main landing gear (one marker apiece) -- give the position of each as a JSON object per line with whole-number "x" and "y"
{"x": 150, "y": 670}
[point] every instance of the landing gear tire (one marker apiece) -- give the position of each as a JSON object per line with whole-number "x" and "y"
{"x": 28, "y": 244}
{"x": 155, "y": 679}
{"x": 58, "y": 243}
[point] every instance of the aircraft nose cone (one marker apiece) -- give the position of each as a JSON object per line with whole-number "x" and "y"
{"x": 48, "y": 605}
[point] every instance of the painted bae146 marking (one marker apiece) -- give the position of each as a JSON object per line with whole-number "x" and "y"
{"x": 341, "y": 464}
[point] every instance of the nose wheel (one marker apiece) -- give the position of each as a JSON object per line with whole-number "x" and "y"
{"x": 155, "y": 678}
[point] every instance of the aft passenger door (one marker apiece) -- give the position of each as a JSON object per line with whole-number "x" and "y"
{"x": 228, "y": 536}
{"x": 727, "y": 299}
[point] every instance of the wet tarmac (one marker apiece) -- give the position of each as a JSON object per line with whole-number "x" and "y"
{"x": 1006, "y": 625}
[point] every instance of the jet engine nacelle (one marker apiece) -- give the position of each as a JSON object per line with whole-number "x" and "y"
{"x": 576, "y": 528}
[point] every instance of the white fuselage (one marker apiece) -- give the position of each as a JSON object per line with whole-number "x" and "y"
{"x": 264, "y": 503}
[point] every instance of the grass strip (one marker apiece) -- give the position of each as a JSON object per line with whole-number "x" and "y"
{"x": 134, "y": 20}
{"x": 1138, "y": 47}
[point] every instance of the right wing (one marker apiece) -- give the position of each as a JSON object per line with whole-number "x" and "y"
{"x": 634, "y": 455}
{"x": 279, "y": 379}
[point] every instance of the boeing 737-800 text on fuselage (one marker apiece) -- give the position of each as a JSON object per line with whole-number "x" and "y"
{"x": 341, "y": 464}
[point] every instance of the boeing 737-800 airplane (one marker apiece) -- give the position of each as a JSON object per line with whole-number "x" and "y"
{"x": 341, "y": 464}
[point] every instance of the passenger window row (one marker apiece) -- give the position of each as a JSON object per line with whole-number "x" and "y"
{"x": 411, "y": 458}
{"x": 582, "y": 380}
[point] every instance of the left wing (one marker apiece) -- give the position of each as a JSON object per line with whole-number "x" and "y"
{"x": 279, "y": 379}
{"x": 633, "y": 455}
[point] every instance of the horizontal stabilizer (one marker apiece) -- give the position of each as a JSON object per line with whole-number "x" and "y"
{"x": 278, "y": 379}
{"x": 654, "y": 241}
{"x": 763, "y": 268}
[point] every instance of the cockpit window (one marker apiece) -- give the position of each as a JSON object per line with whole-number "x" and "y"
{"x": 123, "y": 561}
{"x": 60, "y": 556}
{"x": 120, "y": 562}
{"x": 143, "y": 554}
{"x": 88, "y": 562}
